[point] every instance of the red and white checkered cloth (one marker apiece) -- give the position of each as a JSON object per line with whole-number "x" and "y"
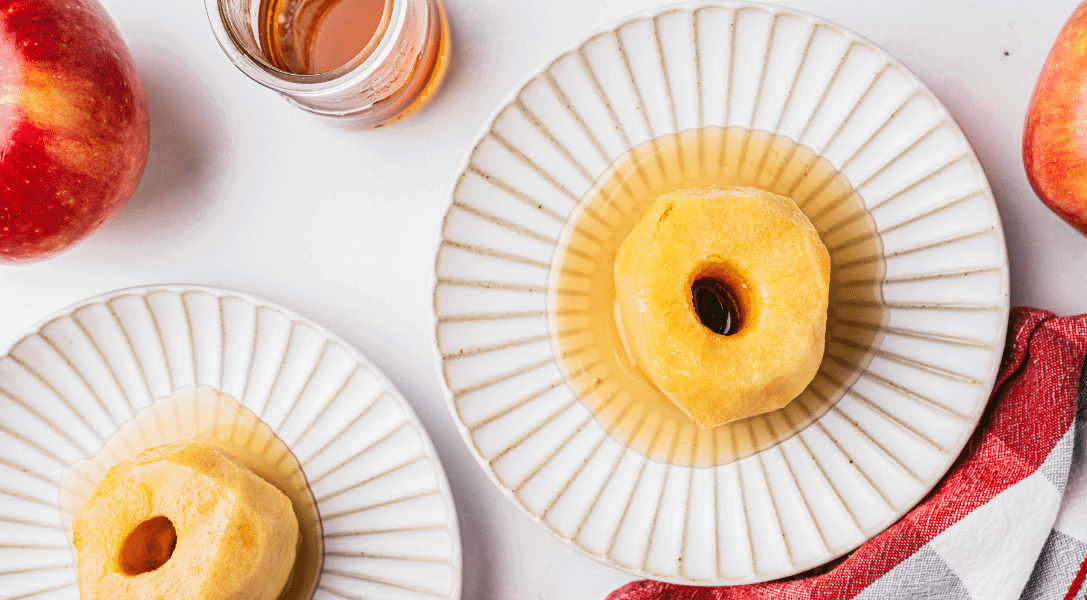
{"x": 1010, "y": 518}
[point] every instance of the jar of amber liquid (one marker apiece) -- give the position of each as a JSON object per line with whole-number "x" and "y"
{"x": 361, "y": 63}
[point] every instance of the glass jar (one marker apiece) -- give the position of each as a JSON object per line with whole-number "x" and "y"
{"x": 395, "y": 73}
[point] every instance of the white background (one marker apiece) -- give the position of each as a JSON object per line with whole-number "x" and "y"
{"x": 246, "y": 192}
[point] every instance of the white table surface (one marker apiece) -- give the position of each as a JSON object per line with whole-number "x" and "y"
{"x": 246, "y": 192}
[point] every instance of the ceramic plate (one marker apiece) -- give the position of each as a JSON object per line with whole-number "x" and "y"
{"x": 390, "y": 527}
{"x": 762, "y": 96}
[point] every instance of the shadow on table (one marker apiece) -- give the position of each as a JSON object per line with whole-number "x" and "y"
{"x": 186, "y": 141}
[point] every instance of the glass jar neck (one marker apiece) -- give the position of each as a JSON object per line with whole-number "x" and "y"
{"x": 370, "y": 88}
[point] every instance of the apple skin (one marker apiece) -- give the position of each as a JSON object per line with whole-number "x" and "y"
{"x": 74, "y": 125}
{"x": 1055, "y": 133}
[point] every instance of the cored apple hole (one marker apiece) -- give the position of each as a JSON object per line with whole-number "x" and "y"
{"x": 149, "y": 546}
{"x": 716, "y": 306}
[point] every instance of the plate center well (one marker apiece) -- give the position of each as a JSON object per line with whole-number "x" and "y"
{"x": 581, "y": 292}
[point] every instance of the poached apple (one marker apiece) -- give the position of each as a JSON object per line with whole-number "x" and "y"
{"x": 723, "y": 295}
{"x": 1055, "y": 133}
{"x": 74, "y": 125}
{"x": 184, "y": 520}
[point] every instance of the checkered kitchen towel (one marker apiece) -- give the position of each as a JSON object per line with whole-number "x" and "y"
{"x": 1010, "y": 518}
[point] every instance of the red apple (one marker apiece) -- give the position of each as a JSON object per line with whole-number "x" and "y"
{"x": 1055, "y": 134}
{"x": 74, "y": 128}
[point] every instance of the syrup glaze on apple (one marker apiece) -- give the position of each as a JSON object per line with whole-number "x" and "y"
{"x": 715, "y": 305}
{"x": 581, "y": 305}
{"x": 149, "y": 546}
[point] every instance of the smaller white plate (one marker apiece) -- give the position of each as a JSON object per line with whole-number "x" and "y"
{"x": 390, "y": 525}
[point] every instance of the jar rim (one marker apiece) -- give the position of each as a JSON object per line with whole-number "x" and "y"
{"x": 254, "y": 65}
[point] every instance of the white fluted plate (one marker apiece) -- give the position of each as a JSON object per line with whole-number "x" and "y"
{"x": 390, "y": 526}
{"x": 919, "y": 293}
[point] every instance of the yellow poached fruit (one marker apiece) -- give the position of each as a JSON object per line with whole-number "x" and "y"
{"x": 188, "y": 521}
{"x": 722, "y": 294}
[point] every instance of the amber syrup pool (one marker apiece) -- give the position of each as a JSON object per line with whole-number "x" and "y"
{"x": 582, "y": 312}
{"x": 307, "y": 37}
{"x": 204, "y": 414}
